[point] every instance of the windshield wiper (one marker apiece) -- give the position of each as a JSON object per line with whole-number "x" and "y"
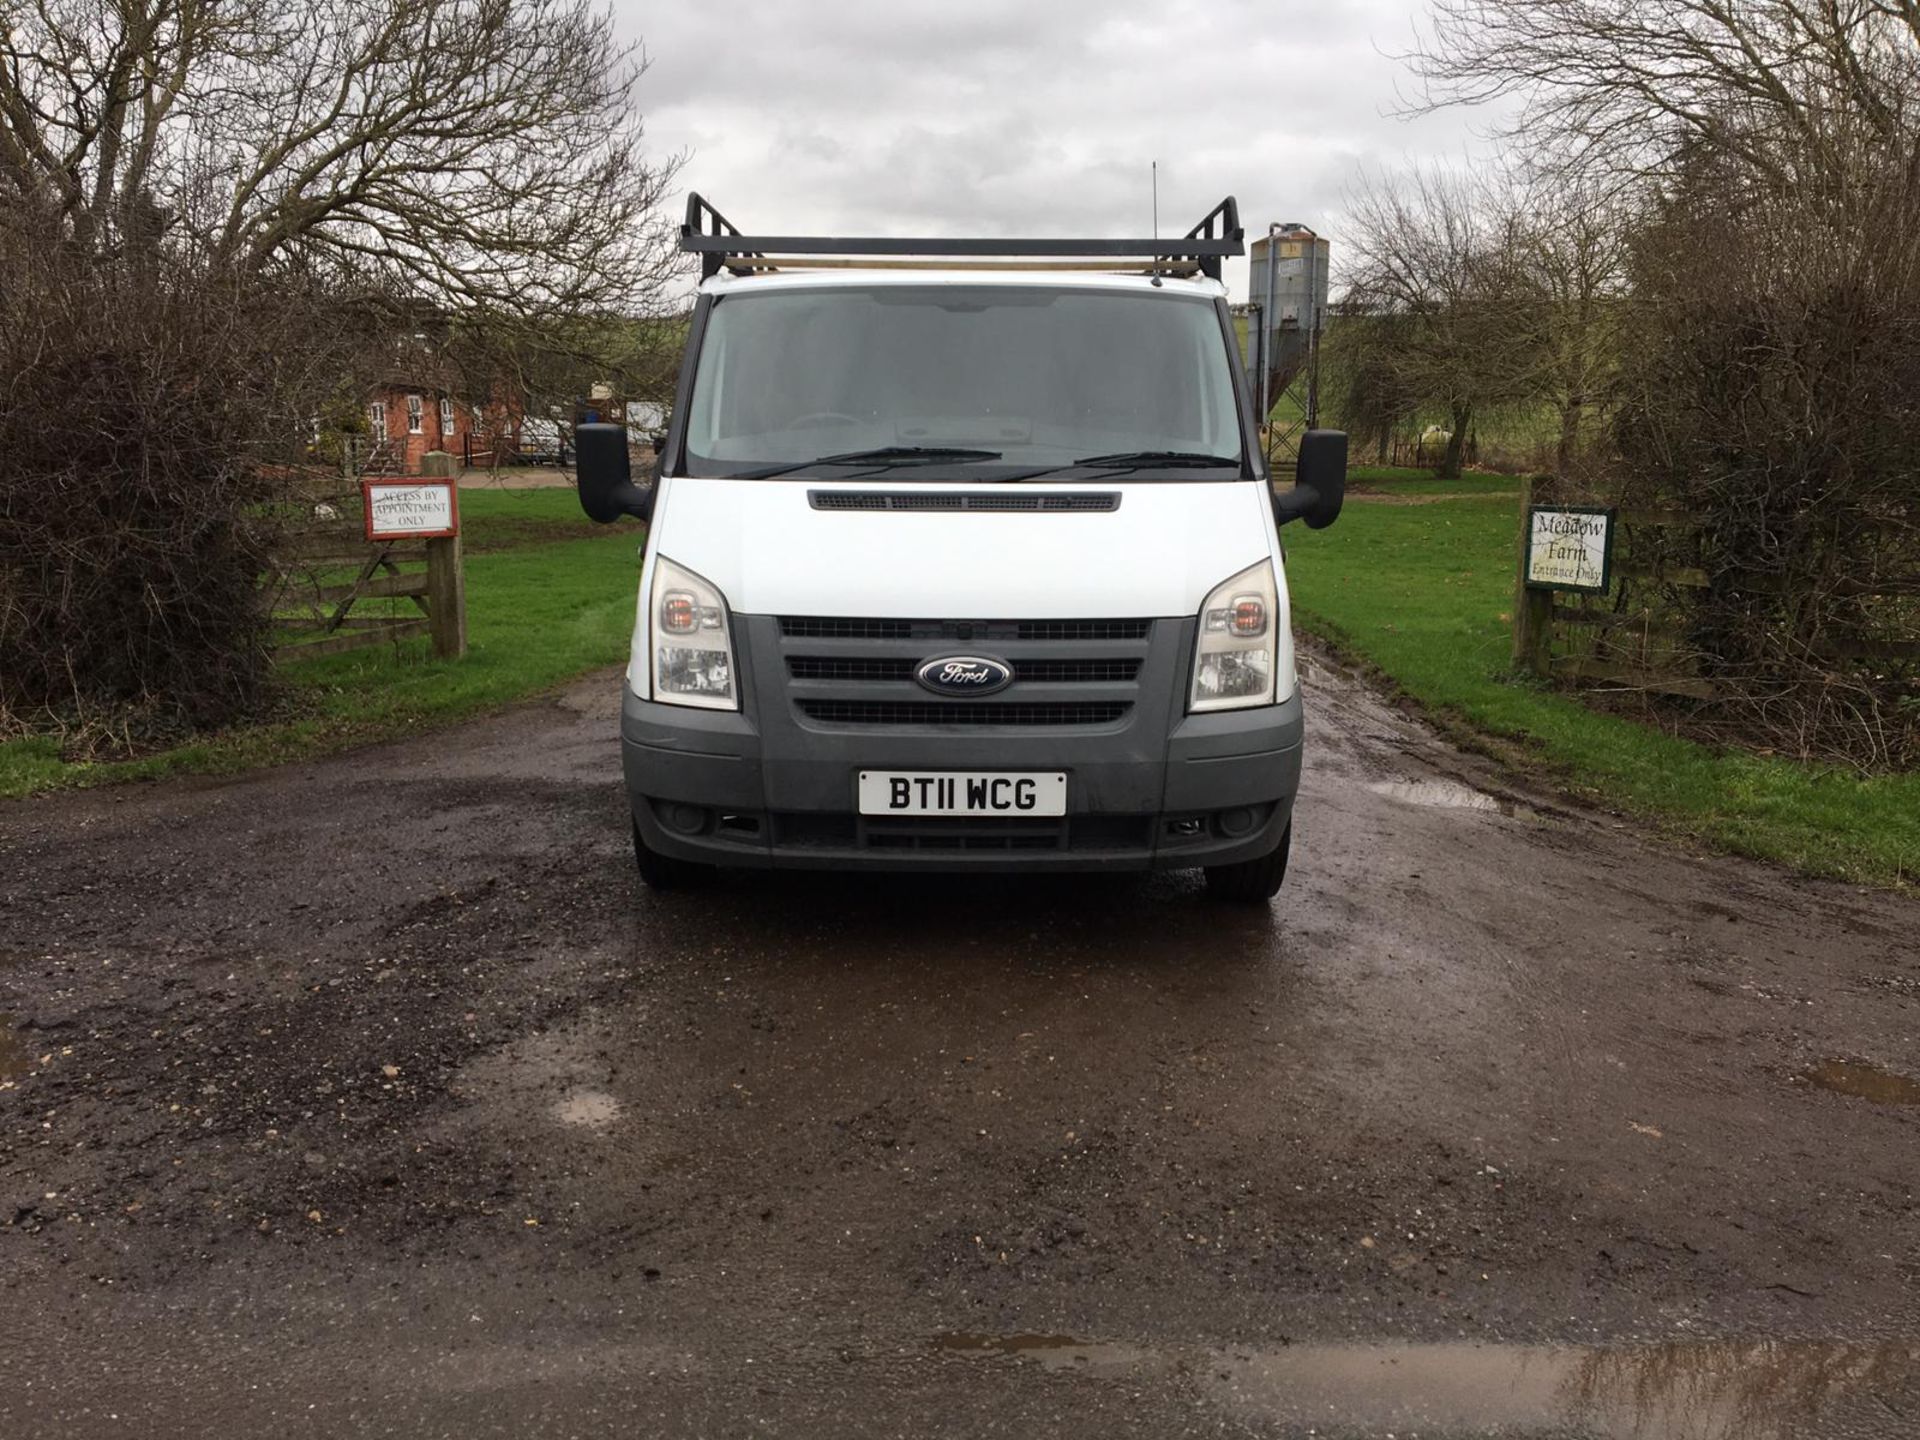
{"x": 885, "y": 457}
{"x": 1158, "y": 460}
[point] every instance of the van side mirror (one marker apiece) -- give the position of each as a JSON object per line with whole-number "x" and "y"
{"x": 604, "y": 474}
{"x": 1319, "y": 484}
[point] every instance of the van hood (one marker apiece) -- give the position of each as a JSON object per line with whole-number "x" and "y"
{"x": 772, "y": 550}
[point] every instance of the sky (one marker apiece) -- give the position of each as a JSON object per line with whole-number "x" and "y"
{"x": 1032, "y": 117}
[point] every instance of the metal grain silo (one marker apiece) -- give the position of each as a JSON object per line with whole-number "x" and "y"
{"x": 1287, "y": 273}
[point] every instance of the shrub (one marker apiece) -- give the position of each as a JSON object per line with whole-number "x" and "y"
{"x": 149, "y": 419}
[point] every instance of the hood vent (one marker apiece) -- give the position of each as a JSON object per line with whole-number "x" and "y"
{"x": 835, "y": 627}
{"x": 1027, "y": 502}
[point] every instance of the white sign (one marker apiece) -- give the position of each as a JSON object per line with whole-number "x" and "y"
{"x": 410, "y": 509}
{"x": 1569, "y": 547}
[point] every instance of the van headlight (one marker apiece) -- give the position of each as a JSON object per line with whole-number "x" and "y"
{"x": 1235, "y": 656}
{"x": 692, "y": 641}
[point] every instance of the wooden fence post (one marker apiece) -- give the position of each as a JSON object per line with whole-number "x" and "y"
{"x": 446, "y": 579}
{"x": 1532, "y": 609}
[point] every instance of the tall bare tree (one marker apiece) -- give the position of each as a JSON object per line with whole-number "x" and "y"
{"x": 1433, "y": 289}
{"x": 460, "y": 152}
{"x": 1767, "y": 352}
{"x": 215, "y": 217}
{"x": 1630, "y": 85}
{"x": 1569, "y": 248}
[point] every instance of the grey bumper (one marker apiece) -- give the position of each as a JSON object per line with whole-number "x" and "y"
{"x": 769, "y": 787}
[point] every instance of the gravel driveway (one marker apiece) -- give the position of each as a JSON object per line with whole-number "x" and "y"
{"x": 375, "y": 1096}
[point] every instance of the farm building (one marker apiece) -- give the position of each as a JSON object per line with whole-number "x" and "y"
{"x": 407, "y": 418}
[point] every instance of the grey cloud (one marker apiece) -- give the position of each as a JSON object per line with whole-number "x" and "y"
{"x": 1029, "y": 118}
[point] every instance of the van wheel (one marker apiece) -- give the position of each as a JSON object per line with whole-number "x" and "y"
{"x": 1252, "y": 882}
{"x": 664, "y": 872}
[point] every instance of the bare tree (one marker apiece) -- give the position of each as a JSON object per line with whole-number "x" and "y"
{"x": 1431, "y": 265}
{"x": 1569, "y": 247}
{"x": 1630, "y": 85}
{"x": 215, "y": 216}
{"x": 1360, "y": 382}
{"x": 1753, "y": 270}
{"x": 469, "y": 153}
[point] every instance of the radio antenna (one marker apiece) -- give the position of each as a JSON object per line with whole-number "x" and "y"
{"x": 1155, "y": 268}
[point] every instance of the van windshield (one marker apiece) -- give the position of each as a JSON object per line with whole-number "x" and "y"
{"x": 932, "y": 381}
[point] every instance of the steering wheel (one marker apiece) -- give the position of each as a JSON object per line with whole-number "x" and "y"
{"x": 821, "y": 417}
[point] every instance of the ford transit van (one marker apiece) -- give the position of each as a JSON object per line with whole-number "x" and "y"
{"x": 962, "y": 554}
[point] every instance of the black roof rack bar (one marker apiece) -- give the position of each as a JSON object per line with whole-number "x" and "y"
{"x": 1227, "y": 213}
{"x": 704, "y": 224}
{"x": 713, "y": 237}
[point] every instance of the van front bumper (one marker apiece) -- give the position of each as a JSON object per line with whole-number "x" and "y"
{"x": 761, "y": 789}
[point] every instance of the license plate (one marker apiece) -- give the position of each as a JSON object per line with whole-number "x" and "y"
{"x": 1010, "y": 794}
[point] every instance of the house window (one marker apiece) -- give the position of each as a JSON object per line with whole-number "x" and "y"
{"x": 446, "y": 416}
{"x": 377, "y": 419}
{"x": 415, "y": 410}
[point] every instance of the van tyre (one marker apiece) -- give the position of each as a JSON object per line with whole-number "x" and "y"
{"x": 1252, "y": 882}
{"x": 664, "y": 872}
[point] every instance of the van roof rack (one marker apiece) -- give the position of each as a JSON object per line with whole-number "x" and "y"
{"x": 720, "y": 246}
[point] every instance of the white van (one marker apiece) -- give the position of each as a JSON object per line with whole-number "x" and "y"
{"x": 962, "y": 555}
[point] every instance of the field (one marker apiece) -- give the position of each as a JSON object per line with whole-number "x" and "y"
{"x": 1422, "y": 592}
{"x": 549, "y": 595}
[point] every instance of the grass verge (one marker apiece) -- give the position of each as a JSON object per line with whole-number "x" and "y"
{"x": 1387, "y": 480}
{"x": 1422, "y": 594}
{"x": 537, "y": 615}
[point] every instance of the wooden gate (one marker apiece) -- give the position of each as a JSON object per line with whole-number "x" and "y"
{"x": 330, "y": 578}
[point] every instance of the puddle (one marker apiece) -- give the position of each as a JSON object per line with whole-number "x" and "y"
{"x": 590, "y": 1109}
{"x": 1755, "y": 1390}
{"x": 1442, "y": 795}
{"x": 1865, "y": 1082}
{"x": 1692, "y": 1390}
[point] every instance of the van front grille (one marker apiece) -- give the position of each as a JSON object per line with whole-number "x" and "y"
{"x": 865, "y": 667}
{"x": 850, "y": 667}
{"x": 1082, "y": 629}
{"x": 962, "y": 712}
{"x": 834, "y": 627}
{"x": 860, "y": 672}
{"x": 1076, "y": 672}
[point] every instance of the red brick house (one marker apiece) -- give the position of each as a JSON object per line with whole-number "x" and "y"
{"x": 406, "y": 420}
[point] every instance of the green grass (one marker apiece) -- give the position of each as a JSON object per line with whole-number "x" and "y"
{"x": 537, "y": 615}
{"x": 1388, "y": 480}
{"x": 1422, "y": 593}
{"x": 495, "y": 519}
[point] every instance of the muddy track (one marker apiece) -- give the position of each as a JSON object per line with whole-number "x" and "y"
{"x": 375, "y": 1095}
